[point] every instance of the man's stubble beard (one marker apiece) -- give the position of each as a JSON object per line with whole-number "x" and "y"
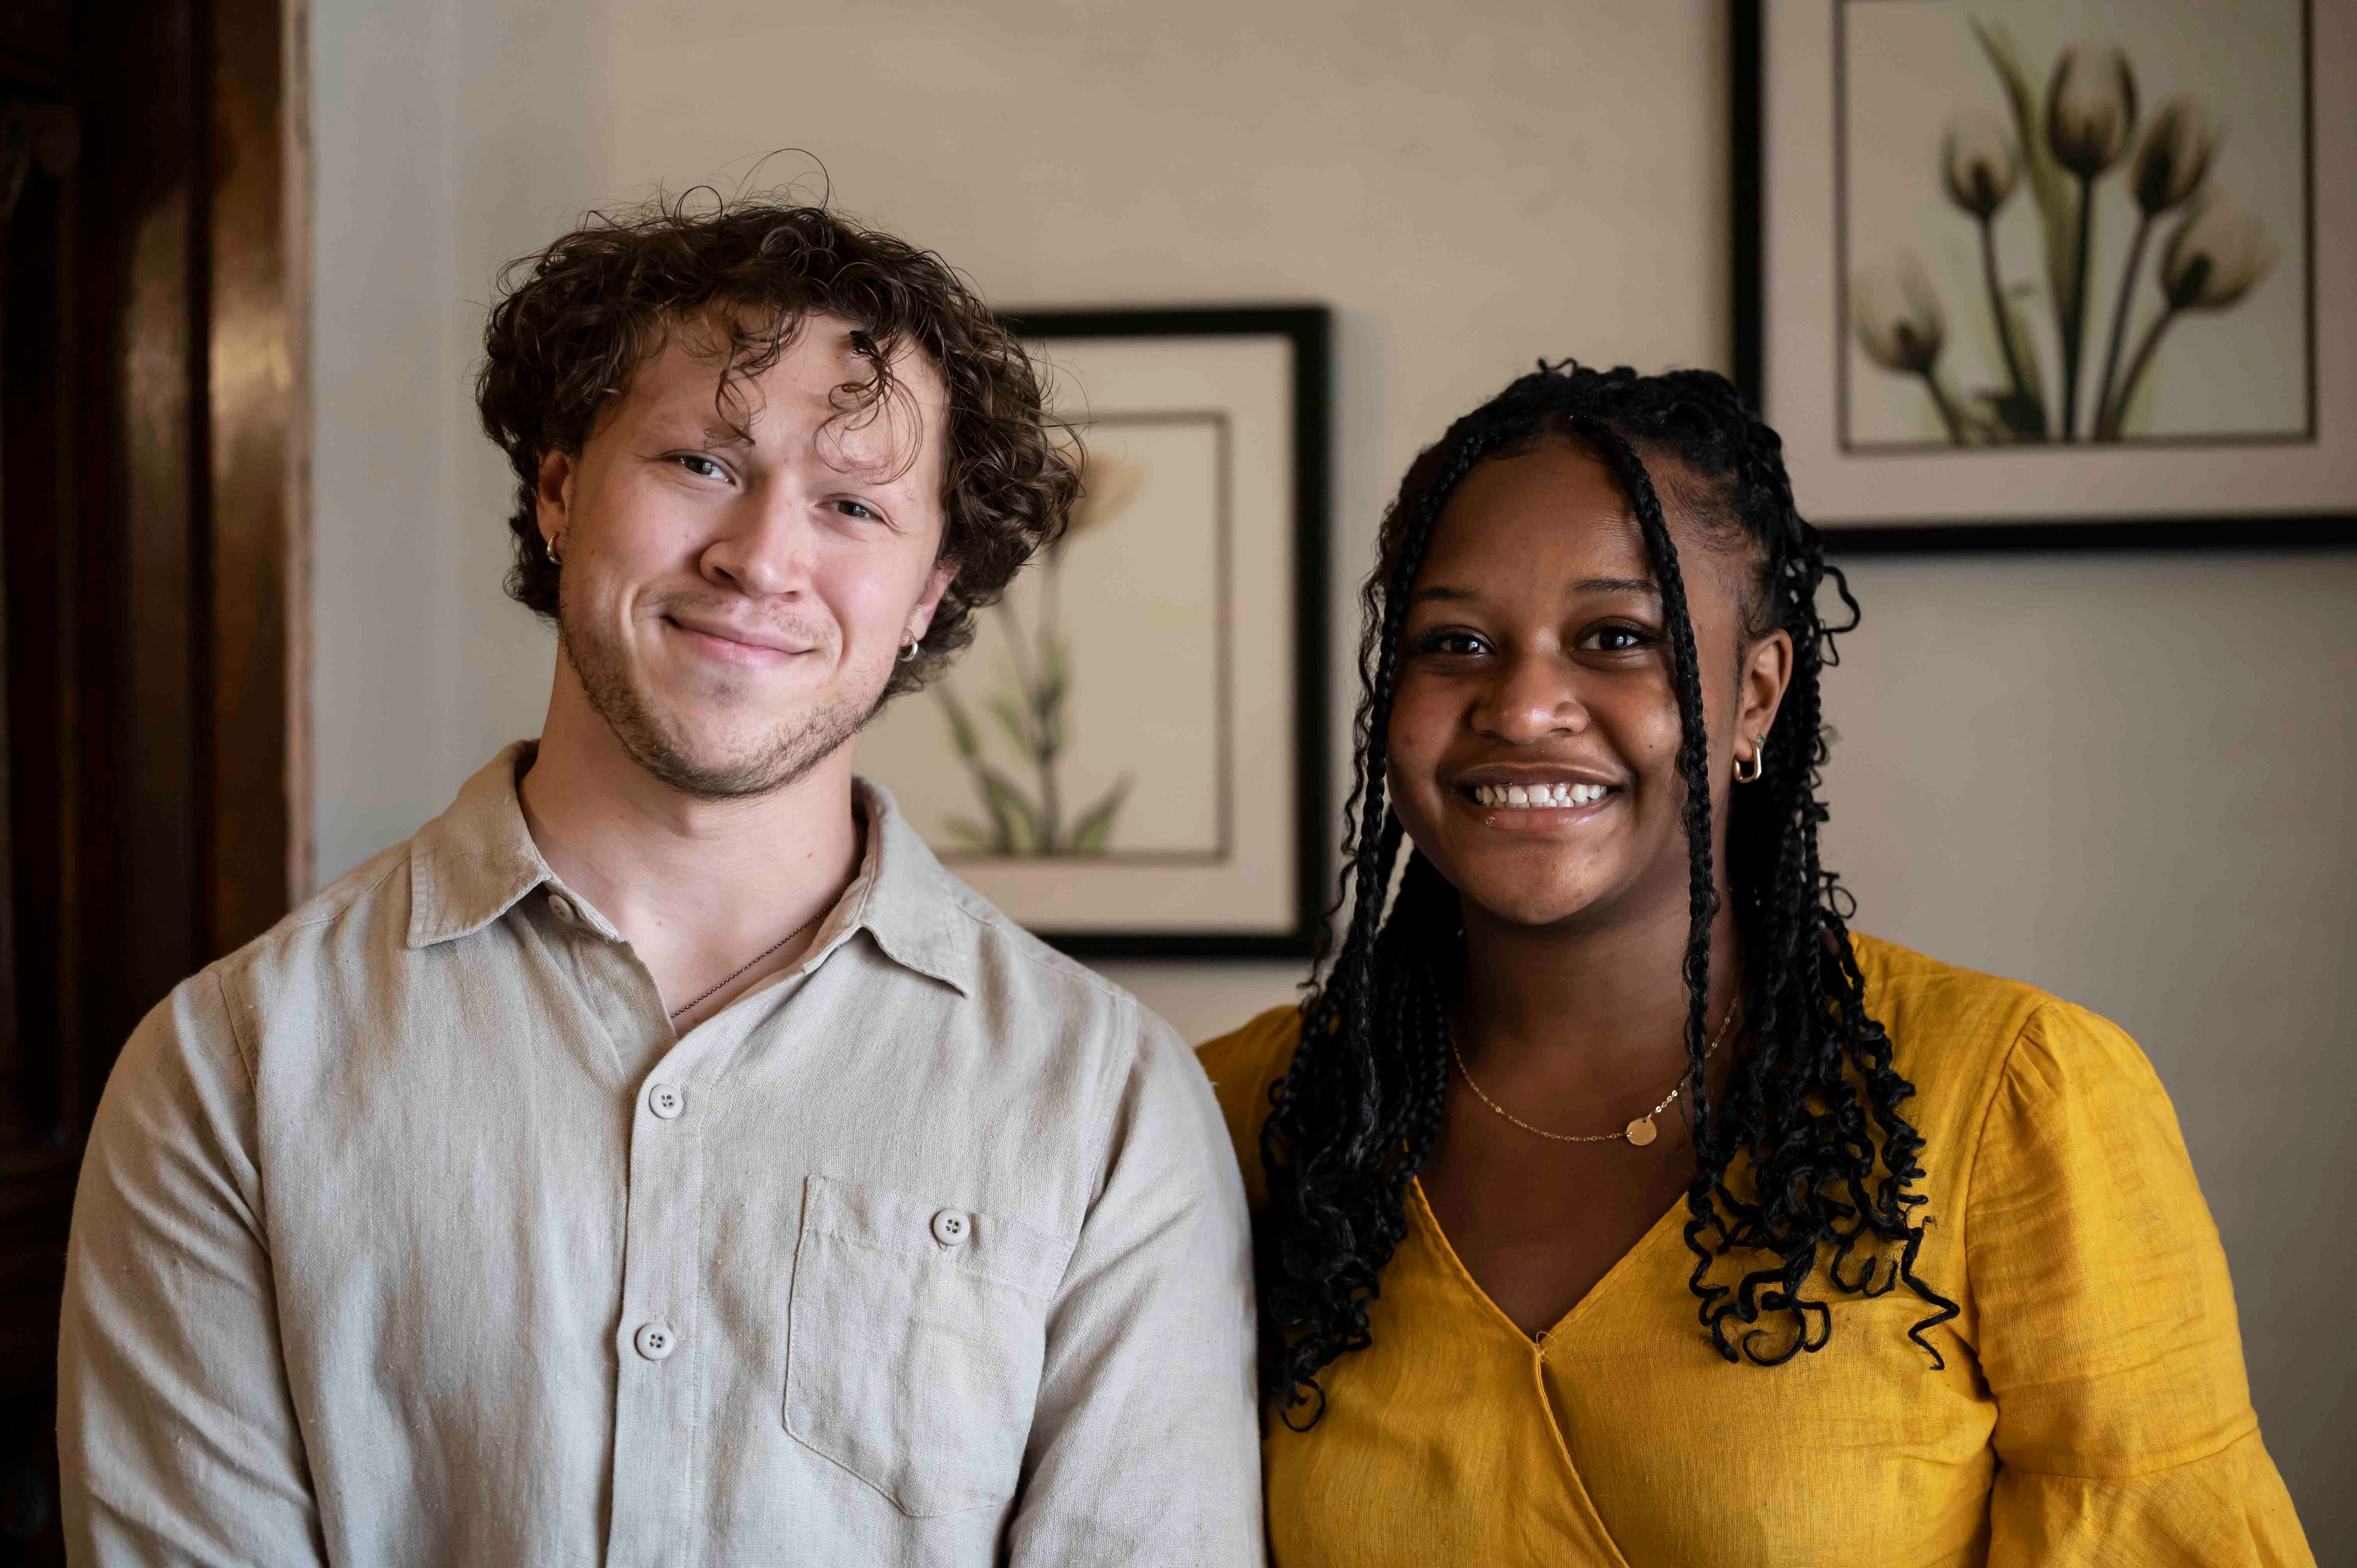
{"x": 788, "y": 752}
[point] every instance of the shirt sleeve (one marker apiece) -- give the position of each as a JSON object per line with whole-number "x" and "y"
{"x": 177, "y": 1434}
{"x": 2125, "y": 1431}
{"x": 1144, "y": 1448}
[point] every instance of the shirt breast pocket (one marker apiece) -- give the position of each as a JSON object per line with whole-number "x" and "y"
{"x": 914, "y": 1337}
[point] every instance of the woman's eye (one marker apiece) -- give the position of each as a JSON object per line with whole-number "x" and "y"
{"x": 1450, "y": 643}
{"x": 702, "y": 468}
{"x": 1614, "y": 639}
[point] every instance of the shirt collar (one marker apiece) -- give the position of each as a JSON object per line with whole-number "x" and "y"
{"x": 473, "y": 863}
{"x": 469, "y": 865}
{"x": 903, "y": 899}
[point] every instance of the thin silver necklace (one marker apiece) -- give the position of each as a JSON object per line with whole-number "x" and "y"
{"x": 773, "y": 947}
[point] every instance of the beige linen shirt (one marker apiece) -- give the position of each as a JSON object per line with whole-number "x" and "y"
{"x": 409, "y": 1234}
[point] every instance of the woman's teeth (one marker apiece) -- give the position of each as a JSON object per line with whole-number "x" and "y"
{"x": 1538, "y": 794}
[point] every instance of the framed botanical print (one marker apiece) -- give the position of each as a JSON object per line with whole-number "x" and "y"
{"x": 1130, "y": 757}
{"x": 2038, "y": 271}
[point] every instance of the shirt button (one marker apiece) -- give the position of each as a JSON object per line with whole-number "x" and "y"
{"x": 655, "y": 1340}
{"x": 665, "y": 1101}
{"x": 561, "y": 907}
{"x": 950, "y": 1228}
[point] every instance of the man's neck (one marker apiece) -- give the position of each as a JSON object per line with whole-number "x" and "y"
{"x": 697, "y": 887}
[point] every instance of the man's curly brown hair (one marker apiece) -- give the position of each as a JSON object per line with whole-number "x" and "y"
{"x": 577, "y": 320}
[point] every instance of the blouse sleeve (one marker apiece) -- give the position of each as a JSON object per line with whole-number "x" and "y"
{"x": 2124, "y": 1431}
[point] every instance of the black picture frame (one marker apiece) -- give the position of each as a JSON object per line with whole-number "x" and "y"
{"x": 1748, "y": 212}
{"x": 1309, "y": 330}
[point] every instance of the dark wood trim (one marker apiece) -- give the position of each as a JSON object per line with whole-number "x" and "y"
{"x": 256, "y": 860}
{"x": 152, "y": 595}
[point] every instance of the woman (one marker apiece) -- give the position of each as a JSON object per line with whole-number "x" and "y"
{"x": 1615, "y": 1203}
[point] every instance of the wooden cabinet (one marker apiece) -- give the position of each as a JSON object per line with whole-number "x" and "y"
{"x": 151, "y": 588}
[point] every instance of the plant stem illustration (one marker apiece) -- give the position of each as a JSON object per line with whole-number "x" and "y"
{"x": 1028, "y": 817}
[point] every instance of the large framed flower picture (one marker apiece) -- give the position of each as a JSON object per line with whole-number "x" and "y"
{"x": 2052, "y": 272}
{"x": 1130, "y": 757}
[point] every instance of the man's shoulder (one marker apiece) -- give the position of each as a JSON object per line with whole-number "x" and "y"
{"x": 1016, "y": 970}
{"x": 368, "y": 907}
{"x": 1040, "y": 999}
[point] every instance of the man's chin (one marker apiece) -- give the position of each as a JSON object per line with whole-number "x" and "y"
{"x": 703, "y": 742}
{"x": 702, "y": 760}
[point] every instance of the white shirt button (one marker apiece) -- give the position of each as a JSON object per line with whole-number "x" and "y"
{"x": 666, "y": 1101}
{"x": 561, "y": 907}
{"x": 951, "y": 1227}
{"x": 655, "y": 1340}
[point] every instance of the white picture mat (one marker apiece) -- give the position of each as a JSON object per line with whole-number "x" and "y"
{"x": 1147, "y": 673}
{"x": 1802, "y": 334}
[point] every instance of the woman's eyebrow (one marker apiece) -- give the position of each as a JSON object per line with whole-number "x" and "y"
{"x": 1448, "y": 594}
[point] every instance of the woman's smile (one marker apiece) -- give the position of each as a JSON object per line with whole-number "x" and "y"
{"x": 1522, "y": 799}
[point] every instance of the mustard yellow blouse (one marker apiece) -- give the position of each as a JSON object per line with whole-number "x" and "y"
{"x": 2094, "y": 1408}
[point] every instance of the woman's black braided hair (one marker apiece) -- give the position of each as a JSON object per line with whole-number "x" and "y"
{"x": 1813, "y": 1104}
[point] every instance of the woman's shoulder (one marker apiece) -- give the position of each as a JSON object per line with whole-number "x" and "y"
{"x": 1243, "y": 1067}
{"x": 1961, "y": 1036}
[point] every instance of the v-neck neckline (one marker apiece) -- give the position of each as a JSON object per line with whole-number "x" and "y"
{"x": 1623, "y": 1265}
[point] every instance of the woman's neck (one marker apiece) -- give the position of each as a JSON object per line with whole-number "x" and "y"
{"x": 1598, "y": 1002}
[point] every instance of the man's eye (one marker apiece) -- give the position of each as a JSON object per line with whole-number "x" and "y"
{"x": 702, "y": 468}
{"x": 860, "y": 509}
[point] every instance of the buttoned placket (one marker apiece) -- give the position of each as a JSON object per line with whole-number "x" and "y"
{"x": 659, "y": 1372}
{"x": 659, "y": 1391}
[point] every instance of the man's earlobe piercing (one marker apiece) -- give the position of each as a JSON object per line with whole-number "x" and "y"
{"x": 548, "y": 547}
{"x": 910, "y": 651}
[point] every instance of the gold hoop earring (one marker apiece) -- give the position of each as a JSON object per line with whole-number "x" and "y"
{"x": 548, "y": 548}
{"x": 1758, "y": 762}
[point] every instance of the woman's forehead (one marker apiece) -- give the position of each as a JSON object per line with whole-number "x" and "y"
{"x": 1554, "y": 515}
{"x": 1553, "y": 505}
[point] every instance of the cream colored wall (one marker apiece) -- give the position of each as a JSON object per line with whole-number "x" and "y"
{"x": 448, "y": 139}
{"x": 2123, "y": 778}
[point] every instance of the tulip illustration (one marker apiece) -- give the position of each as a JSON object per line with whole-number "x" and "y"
{"x": 2169, "y": 166}
{"x": 1979, "y": 168}
{"x": 2091, "y": 111}
{"x": 2216, "y": 254}
{"x": 1977, "y": 162}
{"x": 2090, "y": 108}
{"x": 1901, "y": 328}
{"x": 2174, "y": 157}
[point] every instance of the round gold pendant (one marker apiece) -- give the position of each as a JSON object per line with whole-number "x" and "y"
{"x": 1639, "y": 1132}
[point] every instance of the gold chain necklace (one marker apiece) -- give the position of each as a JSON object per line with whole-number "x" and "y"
{"x": 1640, "y": 1132}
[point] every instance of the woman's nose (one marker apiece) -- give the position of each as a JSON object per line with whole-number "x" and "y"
{"x": 1534, "y": 695}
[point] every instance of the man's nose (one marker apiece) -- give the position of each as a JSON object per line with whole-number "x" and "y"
{"x": 763, "y": 547}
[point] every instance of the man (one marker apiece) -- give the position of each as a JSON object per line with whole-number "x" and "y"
{"x": 660, "y": 1159}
